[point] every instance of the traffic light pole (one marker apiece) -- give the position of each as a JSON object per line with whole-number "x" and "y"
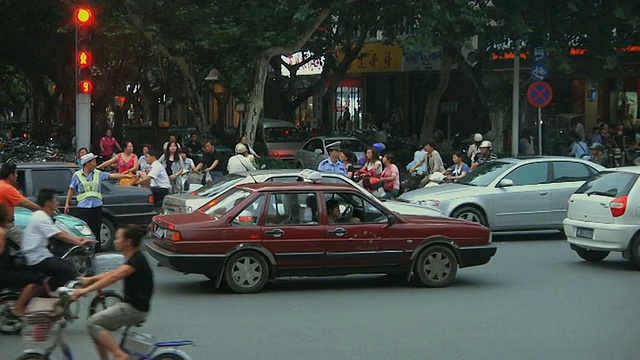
{"x": 83, "y": 121}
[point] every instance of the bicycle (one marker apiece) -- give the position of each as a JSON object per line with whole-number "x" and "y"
{"x": 144, "y": 349}
{"x": 10, "y": 325}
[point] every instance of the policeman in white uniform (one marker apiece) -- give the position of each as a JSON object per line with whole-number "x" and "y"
{"x": 332, "y": 163}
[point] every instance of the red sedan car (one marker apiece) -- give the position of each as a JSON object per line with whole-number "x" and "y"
{"x": 255, "y": 232}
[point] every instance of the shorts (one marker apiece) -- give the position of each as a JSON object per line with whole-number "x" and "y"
{"x": 18, "y": 279}
{"x": 14, "y": 233}
{"x": 115, "y": 317}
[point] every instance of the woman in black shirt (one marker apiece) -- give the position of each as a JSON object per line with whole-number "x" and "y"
{"x": 138, "y": 288}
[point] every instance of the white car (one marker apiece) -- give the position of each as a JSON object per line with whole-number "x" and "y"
{"x": 604, "y": 216}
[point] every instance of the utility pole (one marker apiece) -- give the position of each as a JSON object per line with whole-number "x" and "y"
{"x": 515, "y": 116}
{"x": 84, "y": 60}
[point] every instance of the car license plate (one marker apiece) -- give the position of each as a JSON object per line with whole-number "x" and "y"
{"x": 159, "y": 233}
{"x": 584, "y": 233}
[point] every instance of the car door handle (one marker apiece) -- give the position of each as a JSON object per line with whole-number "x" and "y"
{"x": 544, "y": 193}
{"x": 338, "y": 232}
{"x": 275, "y": 233}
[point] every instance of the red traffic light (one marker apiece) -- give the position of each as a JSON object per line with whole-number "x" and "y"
{"x": 84, "y": 15}
{"x": 84, "y": 59}
{"x": 85, "y": 87}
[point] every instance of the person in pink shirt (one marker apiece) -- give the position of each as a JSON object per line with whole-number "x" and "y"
{"x": 390, "y": 177}
{"x": 107, "y": 145}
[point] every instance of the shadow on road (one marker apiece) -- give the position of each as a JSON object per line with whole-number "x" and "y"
{"x": 612, "y": 265}
{"x": 528, "y": 236}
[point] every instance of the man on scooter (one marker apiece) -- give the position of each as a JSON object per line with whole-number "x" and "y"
{"x": 35, "y": 245}
{"x": 9, "y": 277}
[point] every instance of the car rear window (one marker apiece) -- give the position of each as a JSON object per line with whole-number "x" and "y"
{"x": 282, "y": 135}
{"x": 354, "y": 145}
{"x": 609, "y": 183}
{"x": 218, "y": 185}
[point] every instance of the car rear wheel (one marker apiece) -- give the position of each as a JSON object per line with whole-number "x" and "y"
{"x": 470, "y": 214}
{"x": 635, "y": 252}
{"x": 436, "y": 266}
{"x": 246, "y": 272}
{"x": 591, "y": 255}
{"x": 107, "y": 234}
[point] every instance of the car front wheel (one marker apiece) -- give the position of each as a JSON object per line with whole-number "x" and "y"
{"x": 470, "y": 214}
{"x": 246, "y": 272}
{"x": 591, "y": 255}
{"x": 107, "y": 234}
{"x": 436, "y": 266}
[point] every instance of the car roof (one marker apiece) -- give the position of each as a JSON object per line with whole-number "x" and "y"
{"x": 47, "y": 165}
{"x": 275, "y": 123}
{"x": 297, "y": 185}
{"x": 628, "y": 169}
{"x": 285, "y": 172}
{"x": 538, "y": 158}
{"x": 336, "y": 138}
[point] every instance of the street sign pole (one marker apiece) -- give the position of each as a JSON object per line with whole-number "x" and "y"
{"x": 540, "y": 131}
{"x": 83, "y": 121}
{"x": 515, "y": 115}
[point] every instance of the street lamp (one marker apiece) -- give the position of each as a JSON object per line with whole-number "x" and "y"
{"x": 220, "y": 95}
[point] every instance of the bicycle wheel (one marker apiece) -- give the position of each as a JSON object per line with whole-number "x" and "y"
{"x": 33, "y": 356}
{"x": 104, "y": 301}
{"x": 169, "y": 357}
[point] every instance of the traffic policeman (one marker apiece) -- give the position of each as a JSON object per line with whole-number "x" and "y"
{"x": 332, "y": 163}
{"x": 87, "y": 183}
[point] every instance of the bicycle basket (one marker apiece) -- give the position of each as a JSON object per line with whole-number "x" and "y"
{"x": 37, "y": 332}
{"x": 139, "y": 342}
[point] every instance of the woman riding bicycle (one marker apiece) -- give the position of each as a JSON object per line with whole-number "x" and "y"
{"x": 138, "y": 288}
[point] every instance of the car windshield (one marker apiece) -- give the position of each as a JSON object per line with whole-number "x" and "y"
{"x": 282, "y": 135}
{"x": 354, "y": 144}
{"x": 218, "y": 186}
{"x": 610, "y": 184}
{"x": 485, "y": 174}
{"x": 218, "y": 207}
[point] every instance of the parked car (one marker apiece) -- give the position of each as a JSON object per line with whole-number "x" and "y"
{"x": 315, "y": 150}
{"x": 79, "y": 257}
{"x": 603, "y": 216}
{"x": 122, "y": 204}
{"x": 277, "y": 139}
{"x": 255, "y": 232}
{"x": 513, "y": 194}
{"x": 190, "y": 202}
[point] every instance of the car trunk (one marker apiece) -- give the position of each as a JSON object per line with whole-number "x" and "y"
{"x": 592, "y": 208}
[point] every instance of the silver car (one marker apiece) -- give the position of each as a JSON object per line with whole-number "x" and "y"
{"x": 513, "y": 194}
{"x": 187, "y": 203}
{"x": 315, "y": 150}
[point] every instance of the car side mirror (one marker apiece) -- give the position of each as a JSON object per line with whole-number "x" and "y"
{"x": 505, "y": 183}
{"x": 391, "y": 219}
{"x": 317, "y": 152}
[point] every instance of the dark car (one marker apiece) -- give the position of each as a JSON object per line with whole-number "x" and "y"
{"x": 255, "y": 232}
{"x": 122, "y": 204}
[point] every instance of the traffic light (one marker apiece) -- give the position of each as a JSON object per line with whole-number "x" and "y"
{"x": 83, "y": 19}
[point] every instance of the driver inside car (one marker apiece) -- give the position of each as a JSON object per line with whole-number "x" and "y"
{"x": 335, "y": 217}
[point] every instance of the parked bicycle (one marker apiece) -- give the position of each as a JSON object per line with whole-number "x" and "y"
{"x": 138, "y": 345}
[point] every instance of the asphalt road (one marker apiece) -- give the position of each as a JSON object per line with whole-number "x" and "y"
{"x": 535, "y": 300}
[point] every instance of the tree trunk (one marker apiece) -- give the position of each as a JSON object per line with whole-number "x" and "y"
{"x": 433, "y": 99}
{"x": 256, "y": 102}
{"x": 498, "y": 117}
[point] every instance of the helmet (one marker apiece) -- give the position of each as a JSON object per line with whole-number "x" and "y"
{"x": 486, "y": 144}
{"x": 477, "y": 137}
{"x": 596, "y": 146}
{"x": 379, "y": 147}
{"x": 241, "y": 149}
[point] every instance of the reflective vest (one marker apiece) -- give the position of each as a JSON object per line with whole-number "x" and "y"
{"x": 91, "y": 189}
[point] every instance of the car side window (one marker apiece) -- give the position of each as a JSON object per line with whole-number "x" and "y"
{"x": 22, "y": 182}
{"x": 56, "y": 179}
{"x": 282, "y": 179}
{"x": 250, "y": 215}
{"x": 334, "y": 180}
{"x": 529, "y": 174}
{"x": 354, "y": 209}
{"x": 312, "y": 145}
{"x": 567, "y": 171}
{"x": 292, "y": 209}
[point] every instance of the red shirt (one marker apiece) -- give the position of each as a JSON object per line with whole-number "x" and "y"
{"x": 11, "y": 196}
{"x": 108, "y": 144}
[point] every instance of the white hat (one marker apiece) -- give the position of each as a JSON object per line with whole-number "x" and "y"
{"x": 241, "y": 149}
{"x": 486, "y": 144}
{"x": 87, "y": 157}
{"x": 477, "y": 137}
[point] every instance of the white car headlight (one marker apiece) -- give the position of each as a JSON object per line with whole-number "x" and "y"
{"x": 427, "y": 202}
